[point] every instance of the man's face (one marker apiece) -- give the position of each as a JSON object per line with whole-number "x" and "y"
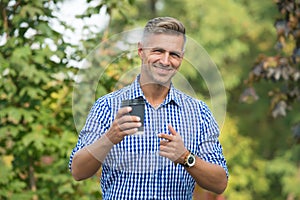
{"x": 161, "y": 56}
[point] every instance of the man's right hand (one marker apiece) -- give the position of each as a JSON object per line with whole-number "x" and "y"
{"x": 123, "y": 125}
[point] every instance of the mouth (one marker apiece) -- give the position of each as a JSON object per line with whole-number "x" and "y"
{"x": 162, "y": 69}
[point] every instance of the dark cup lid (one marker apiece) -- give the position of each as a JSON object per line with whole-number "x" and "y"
{"x": 128, "y": 102}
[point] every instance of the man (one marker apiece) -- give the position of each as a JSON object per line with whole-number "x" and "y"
{"x": 179, "y": 146}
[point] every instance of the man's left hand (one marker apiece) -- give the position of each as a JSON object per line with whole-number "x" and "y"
{"x": 172, "y": 146}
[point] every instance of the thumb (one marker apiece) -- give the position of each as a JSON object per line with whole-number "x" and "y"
{"x": 172, "y": 130}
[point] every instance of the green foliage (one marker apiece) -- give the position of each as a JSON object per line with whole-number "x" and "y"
{"x": 233, "y": 33}
{"x": 36, "y": 122}
{"x": 282, "y": 69}
{"x": 247, "y": 172}
{"x": 37, "y": 131}
{"x": 276, "y": 78}
{"x": 102, "y": 73}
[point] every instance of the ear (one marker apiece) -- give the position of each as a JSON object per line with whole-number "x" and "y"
{"x": 181, "y": 59}
{"x": 140, "y": 50}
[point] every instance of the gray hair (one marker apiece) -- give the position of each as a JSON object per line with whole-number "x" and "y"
{"x": 167, "y": 25}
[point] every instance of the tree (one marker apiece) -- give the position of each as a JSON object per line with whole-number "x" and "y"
{"x": 37, "y": 129}
{"x": 232, "y": 45}
{"x": 279, "y": 77}
{"x": 283, "y": 68}
{"x": 253, "y": 164}
{"x": 36, "y": 122}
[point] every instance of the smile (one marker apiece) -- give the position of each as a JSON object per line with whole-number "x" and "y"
{"x": 163, "y": 68}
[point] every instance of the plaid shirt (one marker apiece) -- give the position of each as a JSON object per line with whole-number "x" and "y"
{"x": 133, "y": 169}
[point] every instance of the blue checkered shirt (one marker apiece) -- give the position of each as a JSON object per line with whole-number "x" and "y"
{"x": 133, "y": 169}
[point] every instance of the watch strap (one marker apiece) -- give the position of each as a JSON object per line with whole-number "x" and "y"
{"x": 187, "y": 156}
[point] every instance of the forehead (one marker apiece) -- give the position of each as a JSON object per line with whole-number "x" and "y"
{"x": 170, "y": 42}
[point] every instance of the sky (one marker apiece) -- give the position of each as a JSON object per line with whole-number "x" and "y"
{"x": 67, "y": 12}
{"x": 69, "y": 9}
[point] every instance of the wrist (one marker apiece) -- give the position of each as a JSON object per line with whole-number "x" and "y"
{"x": 189, "y": 160}
{"x": 183, "y": 157}
{"x": 100, "y": 148}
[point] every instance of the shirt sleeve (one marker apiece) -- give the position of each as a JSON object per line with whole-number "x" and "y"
{"x": 209, "y": 146}
{"x": 97, "y": 123}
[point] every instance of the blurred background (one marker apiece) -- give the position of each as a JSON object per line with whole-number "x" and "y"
{"x": 254, "y": 44}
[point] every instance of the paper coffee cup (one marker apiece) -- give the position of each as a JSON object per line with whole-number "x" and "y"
{"x": 138, "y": 109}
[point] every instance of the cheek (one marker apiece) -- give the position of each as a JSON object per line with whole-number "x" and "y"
{"x": 152, "y": 59}
{"x": 176, "y": 64}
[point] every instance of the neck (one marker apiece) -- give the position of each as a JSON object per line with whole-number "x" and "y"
{"x": 155, "y": 93}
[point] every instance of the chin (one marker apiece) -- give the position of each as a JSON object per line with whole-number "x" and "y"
{"x": 162, "y": 81}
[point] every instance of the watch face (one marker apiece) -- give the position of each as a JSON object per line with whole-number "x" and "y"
{"x": 191, "y": 160}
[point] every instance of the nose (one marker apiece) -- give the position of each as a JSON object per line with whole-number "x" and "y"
{"x": 165, "y": 60}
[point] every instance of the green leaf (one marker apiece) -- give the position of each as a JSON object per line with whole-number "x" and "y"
{"x": 21, "y": 54}
{"x": 30, "y": 10}
{"x": 7, "y": 130}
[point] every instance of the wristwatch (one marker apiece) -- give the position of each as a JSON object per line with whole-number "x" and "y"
{"x": 189, "y": 160}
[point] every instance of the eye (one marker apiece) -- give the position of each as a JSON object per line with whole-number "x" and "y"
{"x": 175, "y": 55}
{"x": 157, "y": 50}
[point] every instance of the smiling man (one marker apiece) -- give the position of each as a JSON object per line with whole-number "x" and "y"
{"x": 179, "y": 146}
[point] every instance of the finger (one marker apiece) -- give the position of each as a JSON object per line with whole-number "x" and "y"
{"x": 123, "y": 111}
{"x": 165, "y": 154}
{"x": 167, "y": 148}
{"x": 161, "y": 153}
{"x": 163, "y": 149}
{"x": 128, "y": 119}
{"x": 129, "y": 125}
{"x": 130, "y": 131}
{"x": 172, "y": 130}
{"x": 163, "y": 142}
{"x": 166, "y": 136}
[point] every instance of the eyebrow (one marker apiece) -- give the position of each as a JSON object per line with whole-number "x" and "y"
{"x": 164, "y": 50}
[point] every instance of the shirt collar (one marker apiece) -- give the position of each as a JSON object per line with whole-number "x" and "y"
{"x": 173, "y": 96}
{"x": 136, "y": 92}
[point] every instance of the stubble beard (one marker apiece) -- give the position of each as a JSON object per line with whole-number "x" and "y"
{"x": 154, "y": 77}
